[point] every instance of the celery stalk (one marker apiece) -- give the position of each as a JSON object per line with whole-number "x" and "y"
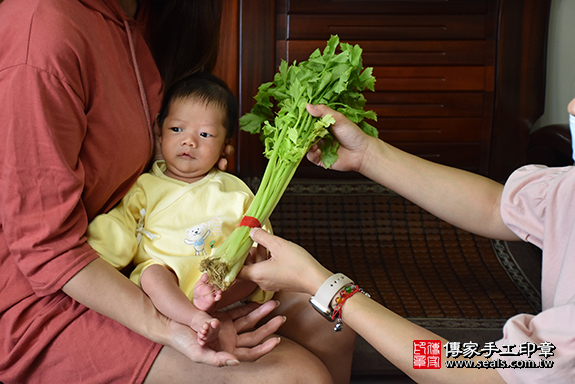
{"x": 288, "y": 131}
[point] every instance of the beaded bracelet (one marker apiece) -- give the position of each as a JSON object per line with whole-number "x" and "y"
{"x": 344, "y": 294}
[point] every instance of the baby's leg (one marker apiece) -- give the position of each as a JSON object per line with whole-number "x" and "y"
{"x": 205, "y": 295}
{"x": 161, "y": 285}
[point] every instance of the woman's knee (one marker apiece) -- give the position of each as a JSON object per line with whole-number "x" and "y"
{"x": 292, "y": 363}
{"x": 287, "y": 363}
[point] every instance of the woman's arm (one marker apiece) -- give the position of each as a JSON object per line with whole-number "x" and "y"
{"x": 393, "y": 336}
{"x": 464, "y": 199}
{"x": 291, "y": 268}
{"x": 102, "y": 288}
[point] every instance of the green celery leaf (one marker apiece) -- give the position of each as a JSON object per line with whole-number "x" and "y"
{"x": 251, "y": 122}
{"x": 369, "y": 129}
{"x": 367, "y": 80}
{"x": 328, "y": 147}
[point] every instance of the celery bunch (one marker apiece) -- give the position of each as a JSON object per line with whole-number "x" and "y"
{"x": 333, "y": 79}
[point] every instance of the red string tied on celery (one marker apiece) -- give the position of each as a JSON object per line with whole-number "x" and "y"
{"x": 248, "y": 221}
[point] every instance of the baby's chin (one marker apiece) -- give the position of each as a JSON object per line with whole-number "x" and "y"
{"x": 187, "y": 177}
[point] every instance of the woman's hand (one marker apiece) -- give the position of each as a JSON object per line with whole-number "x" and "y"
{"x": 290, "y": 267}
{"x": 123, "y": 301}
{"x": 235, "y": 343}
{"x": 354, "y": 143}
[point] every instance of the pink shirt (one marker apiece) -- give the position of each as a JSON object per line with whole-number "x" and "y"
{"x": 538, "y": 204}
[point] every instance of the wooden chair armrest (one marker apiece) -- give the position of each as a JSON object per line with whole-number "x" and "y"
{"x": 550, "y": 145}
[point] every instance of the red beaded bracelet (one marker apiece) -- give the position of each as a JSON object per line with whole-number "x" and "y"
{"x": 344, "y": 294}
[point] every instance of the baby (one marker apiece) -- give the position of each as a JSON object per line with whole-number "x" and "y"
{"x": 174, "y": 216}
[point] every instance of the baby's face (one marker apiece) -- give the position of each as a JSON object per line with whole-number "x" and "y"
{"x": 571, "y": 107}
{"x": 193, "y": 139}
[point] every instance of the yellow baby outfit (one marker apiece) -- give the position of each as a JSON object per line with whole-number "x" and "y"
{"x": 172, "y": 223}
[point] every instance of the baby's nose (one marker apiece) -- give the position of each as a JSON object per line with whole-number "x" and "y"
{"x": 189, "y": 140}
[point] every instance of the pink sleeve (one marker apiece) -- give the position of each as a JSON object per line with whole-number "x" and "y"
{"x": 524, "y": 202}
{"x": 537, "y": 204}
{"x": 555, "y": 326}
{"x": 42, "y": 178}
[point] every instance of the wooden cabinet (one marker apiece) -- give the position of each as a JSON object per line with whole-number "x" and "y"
{"x": 458, "y": 82}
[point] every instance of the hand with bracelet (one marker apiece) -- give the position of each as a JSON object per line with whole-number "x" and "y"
{"x": 530, "y": 207}
{"x": 291, "y": 268}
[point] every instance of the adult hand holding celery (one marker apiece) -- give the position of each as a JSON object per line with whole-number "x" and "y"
{"x": 288, "y": 131}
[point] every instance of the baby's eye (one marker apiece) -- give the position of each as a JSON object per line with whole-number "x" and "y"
{"x": 205, "y": 134}
{"x": 176, "y": 129}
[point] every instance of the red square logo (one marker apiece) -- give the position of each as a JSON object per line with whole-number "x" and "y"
{"x": 426, "y": 354}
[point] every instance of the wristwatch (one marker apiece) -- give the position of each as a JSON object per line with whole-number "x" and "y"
{"x": 321, "y": 301}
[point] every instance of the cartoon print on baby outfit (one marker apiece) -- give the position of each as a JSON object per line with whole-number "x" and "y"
{"x": 197, "y": 236}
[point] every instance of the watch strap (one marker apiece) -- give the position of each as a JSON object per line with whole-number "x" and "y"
{"x": 321, "y": 301}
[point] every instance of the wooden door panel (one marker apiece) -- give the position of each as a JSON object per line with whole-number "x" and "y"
{"x": 370, "y": 7}
{"x": 393, "y": 53}
{"x": 452, "y": 129}
{"x": 432, "y": 104}
{"x": 483, "y": 63}
{"x": 429, "y": 78}
{"x": 385, "y": 27}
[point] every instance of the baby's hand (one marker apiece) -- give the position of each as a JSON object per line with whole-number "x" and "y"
{"x": 206, "y": 327}
{"x": 205, "y": 295}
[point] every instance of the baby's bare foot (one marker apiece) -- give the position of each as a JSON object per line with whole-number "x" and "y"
{"x": 206, "y": 327}
{"x": 205, "y": 295}
{"x": 209, "y": 332}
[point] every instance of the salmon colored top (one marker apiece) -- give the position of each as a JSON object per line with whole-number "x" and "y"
{"x": 78, "y": 87}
